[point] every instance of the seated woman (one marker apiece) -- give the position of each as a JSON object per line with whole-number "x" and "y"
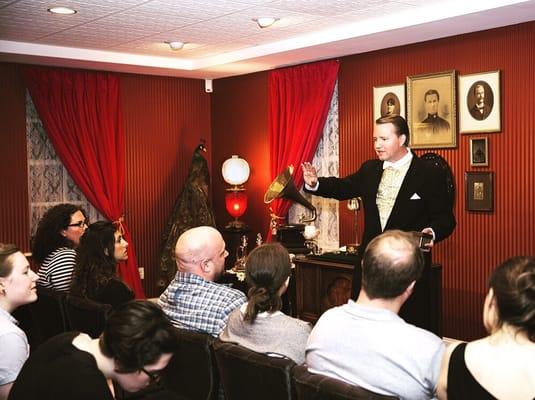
{"x": 17, "y": 287}
{"x": 95, "y": 275}
{"x": 259, "y": 324}
{"x": 136, "y": 345}
{"x": 53, "y": 244}
{"x": 502, "y": 365}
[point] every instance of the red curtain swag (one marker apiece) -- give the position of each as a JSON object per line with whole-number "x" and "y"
{"x": 299, "y": 100}
{"x": 81, "y": 113}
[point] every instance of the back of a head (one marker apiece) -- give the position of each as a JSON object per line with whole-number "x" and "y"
{"x": 48, "y": 235}
{"x": 513, "y": 284}
{"x": 267, "y": 269}
{"x": 400, "y": 125}
{"x": 6, "y": 265}
{"x": 137, "y": 334}
{"x": 391, "y": 262}
{"x": 95, "y": 262}
{"x": 194, "y": 245}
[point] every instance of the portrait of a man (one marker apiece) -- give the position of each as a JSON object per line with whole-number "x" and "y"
{"x": 433, "y": 122}
{"x": 480, "y": 100}
{"x": 390, "y": 105}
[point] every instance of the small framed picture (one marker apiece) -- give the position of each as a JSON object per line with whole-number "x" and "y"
{"x": 480, "y": 102}
{"x": 479, "y": 152}
{"x": 479, "y": 191}
{"x": 388, "y": 100}
{"x": 431, "y": 110}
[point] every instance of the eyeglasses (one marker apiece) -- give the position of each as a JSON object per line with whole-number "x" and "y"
{"x": 80, "y": 223}
{"x": 154, "y": 376}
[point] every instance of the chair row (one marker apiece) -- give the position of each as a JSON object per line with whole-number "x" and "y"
{"x": 202, "y": 363}
{"x": 56, "y": 312}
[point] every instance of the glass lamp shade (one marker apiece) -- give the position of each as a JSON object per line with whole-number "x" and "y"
{"x": 235, "y": 171}
{"x": 236, "y": 203}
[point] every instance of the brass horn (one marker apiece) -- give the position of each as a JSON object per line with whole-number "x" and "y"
{"x": 283, "y": 187}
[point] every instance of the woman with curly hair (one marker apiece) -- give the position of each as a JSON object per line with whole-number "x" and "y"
{"x": 57, "y": 235}
{"x": 502, "y": 365}
{"x": 259, "y": 324}
{"x": 95, "y": 275}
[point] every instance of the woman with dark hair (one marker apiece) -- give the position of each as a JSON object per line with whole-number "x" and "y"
{"x": 137, "y": 343}
{"x": 259, "y": 324}
{"x": 17, "y": 287}
{"x": 95, "y": 275}
{"x": 53, "y": 244}
{"x": 502, "y": 365}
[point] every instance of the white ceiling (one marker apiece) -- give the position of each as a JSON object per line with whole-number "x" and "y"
{"x": 221, "y": 38}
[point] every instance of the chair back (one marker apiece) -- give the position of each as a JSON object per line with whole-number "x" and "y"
{"x": 86, "y": 315}
{"x": 311, "y": 386}
{"x": 192, "y": 372}
{"x": 246, "y": 374}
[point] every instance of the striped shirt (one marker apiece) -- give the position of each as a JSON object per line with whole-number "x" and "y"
{"x": 196, "y": 304}
{"x": 56, "y": 270}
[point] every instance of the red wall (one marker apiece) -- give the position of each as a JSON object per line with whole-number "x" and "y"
{"x": 481, "y": 240}
{"x": 164, "y": 120}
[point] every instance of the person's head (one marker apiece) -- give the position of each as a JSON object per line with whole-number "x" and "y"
{"x": 201, "y": 251}
{"x": 140, "y": 340}
{"x": 390, "y": 137}
{"x": 431, "y": 99}
{"x": 17, "y": 280}
{"x": 511, "y": 297}
{"x": 390, "y": 106}
{"x": 101, "y": 248}
{"x": 479, "y": 94}
{"x": 392, "y": 263}
{"x": 267, "y": 271}
{"x": 61, "y": 226}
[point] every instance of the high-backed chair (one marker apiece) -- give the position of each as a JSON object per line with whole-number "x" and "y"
{"x": 246, "y": 374}
{"x": 86, "y": 315}
{"x": 311, "y": 386}
{"x": 192, "y": 372}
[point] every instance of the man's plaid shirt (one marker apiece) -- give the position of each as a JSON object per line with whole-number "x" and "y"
{"x": 193, "y": 303}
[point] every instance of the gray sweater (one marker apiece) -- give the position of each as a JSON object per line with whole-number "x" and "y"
{"x": 269, "y": 333}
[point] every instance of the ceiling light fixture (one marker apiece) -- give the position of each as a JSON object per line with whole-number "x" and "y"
{"x": 175, "y": 45}
{"x": 264, "y": 22}
{"x": 62, "y": 10}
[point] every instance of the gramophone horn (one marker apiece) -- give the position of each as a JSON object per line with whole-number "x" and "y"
{"x": 283, "y": 187}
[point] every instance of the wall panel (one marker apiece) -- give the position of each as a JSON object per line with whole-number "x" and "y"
{"x": 164, "y": 120}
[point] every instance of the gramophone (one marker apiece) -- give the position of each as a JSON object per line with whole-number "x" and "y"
{"x": 290, "y": 236}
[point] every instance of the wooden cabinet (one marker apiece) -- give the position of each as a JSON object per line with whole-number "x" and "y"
{"x": 320, "y": 285}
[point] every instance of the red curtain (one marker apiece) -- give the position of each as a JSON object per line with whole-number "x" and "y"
{"x": 299, "y": 100}
{"x": 81, "y": 113}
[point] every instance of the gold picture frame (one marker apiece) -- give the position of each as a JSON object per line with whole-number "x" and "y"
{"x": 479, "y": 191}
{"x": 431, "y": 110}
{"x": 479, "y": 152}
{"x": 480, "y": 103}
{"x": 389, "y": 99}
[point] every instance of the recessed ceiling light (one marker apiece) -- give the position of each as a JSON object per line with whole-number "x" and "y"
{"x": 62, "y": 10}
{"x": 264, "y": 22}
{"x": 175, "y": 45}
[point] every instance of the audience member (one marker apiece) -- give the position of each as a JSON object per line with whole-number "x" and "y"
{"x": 502, "y": 365}
{"x": 57, "y": 235}
{"x": 259, "y": 324}
{"x": 136, "y": 345}
{"x": 193, "y": 300}
{"x": 365, "y": 342}
{"x": 95, "y": 274}
{"x": 17, "y": 287}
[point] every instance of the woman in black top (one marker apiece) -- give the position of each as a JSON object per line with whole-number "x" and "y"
{"x": 95, "y": 274}
{"x": 502, "y": 365}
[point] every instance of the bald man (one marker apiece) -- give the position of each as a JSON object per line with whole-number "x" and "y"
{"x": 193, "y": 300}
{"x": 379, "y": 351}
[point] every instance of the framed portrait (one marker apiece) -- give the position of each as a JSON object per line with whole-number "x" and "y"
{"x": 479, "y": 191}
{"x": 479, "y": 102}
{"x": 388, "y": 100}
{"x": 479, "y": 152}
{"x": 431, "y": 110}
